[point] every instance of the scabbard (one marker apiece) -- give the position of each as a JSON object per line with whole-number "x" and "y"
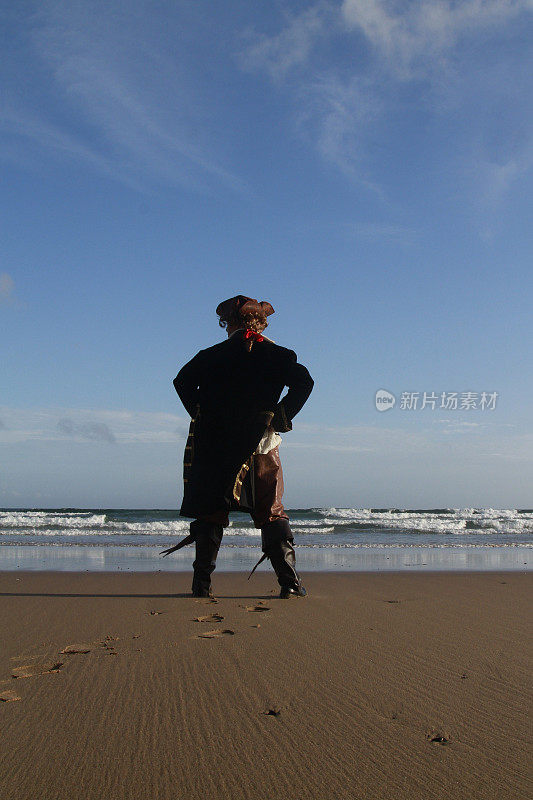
{"x": 188, "y": 540}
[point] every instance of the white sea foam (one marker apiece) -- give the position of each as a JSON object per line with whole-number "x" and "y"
{"x": 452, "y": 521}
{"x": 236, "y": 531}
{"x": 340, "y": 525}
{"x": 316, "y": 530}
{"x": 170, "y": 527}
{"x": 39, "y": 519}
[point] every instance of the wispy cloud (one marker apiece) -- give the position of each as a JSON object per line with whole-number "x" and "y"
{"x": 390, "y": 441}
{"x": 332, "y": 112}
{"x": 455, "y": 441}
{"x": 497, "y": 177}
{"x": 381, "y": 52}
{"x": 415, "y": 37}
{"x": 120, "y": 97}
{"x": 94, "y": 431}
{"x": 26, "y": 127}
{"x": 337, "y": 115}
{"x": 467, "y": 439}
{"x": 91, "y": 425}
{"x": 292, "y": 46}
{"x": 462, "y": 428}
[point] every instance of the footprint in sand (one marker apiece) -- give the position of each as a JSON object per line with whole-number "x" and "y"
{"x": 216, "y": 633}
{"x": 209, "y": 618}
{"x": 74, "y": 649}
{"x": 30, "y": 670}
{"x": 273, "y": 712}
{"x": 258, "y": 608}
{"x": 108, "y": 645}
{"x": 439, "y": 738}
{"x": 8, "y": 696}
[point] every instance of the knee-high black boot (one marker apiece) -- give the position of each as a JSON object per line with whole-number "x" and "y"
{"x": 277, "y": 541}
{"x": 207, "y": 537}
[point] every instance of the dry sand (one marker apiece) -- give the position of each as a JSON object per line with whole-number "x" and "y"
{"x": 376, "y": 686}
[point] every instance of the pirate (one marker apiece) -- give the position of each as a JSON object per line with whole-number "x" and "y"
{"x": 232, "y": 393}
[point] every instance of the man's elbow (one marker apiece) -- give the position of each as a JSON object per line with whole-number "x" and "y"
{"x": 308, "y": 382}
{"x": 302, "y": 381}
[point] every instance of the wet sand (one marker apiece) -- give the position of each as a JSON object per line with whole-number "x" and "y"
{"x": 385, "y": 686}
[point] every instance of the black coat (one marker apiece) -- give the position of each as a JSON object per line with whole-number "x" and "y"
{"x": 233, "y": 394}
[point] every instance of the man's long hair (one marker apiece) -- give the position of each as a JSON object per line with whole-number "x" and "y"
{"x": 251, "y": 320}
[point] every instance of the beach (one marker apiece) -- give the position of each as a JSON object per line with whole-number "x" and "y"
{"x": 377, "y": 685}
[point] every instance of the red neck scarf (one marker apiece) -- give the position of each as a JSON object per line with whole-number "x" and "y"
{"x": 250, "y": 334}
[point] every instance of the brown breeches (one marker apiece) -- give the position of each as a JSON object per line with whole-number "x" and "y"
{"x": 268, "y": 492}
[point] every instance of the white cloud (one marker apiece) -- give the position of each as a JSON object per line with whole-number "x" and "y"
{"x": 129, "y": 427}
{"x": 410, "y": 35}
{"x": 358, "y": 438}
{"x": 455, "y": 442}
{"x": 497, "y": 179}
{"x": 462, "y": 428}
{"x": 331, "y": 111}
{"x": 93, "y": 431}
{"x": 291, "y": 47}
{"x": 24, "y": 124}
{"x": 380, "y": 52}
{"x": 327, "y": 465}
{"x": 96, "y": 425}
{"x": 338, "y": 114}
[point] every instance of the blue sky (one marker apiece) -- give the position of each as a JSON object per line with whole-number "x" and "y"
{"x": 366, "y": 166}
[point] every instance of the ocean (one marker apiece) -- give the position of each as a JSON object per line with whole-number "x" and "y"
{"x": 325, "y": 539}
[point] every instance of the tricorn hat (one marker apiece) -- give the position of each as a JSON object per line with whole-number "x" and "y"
{"x": 244, "y": 305}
